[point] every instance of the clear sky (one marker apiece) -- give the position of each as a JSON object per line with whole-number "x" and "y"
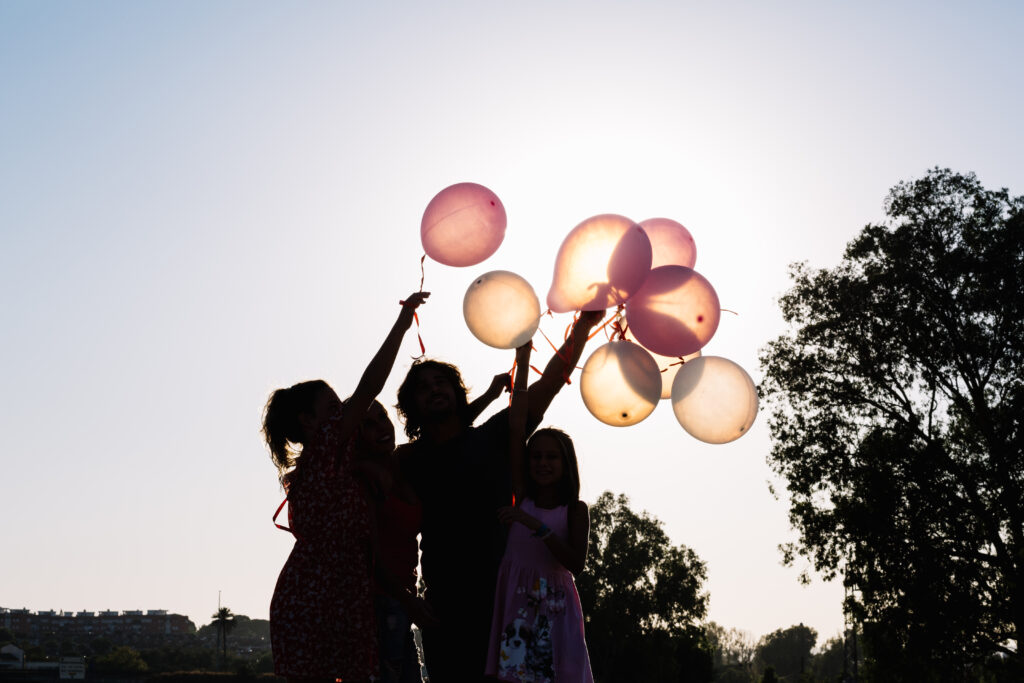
{"x": 203, "y": 201}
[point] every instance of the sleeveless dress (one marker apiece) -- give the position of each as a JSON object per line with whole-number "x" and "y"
{"x": 537, "y": 628}
{"x": 321, "y": 616}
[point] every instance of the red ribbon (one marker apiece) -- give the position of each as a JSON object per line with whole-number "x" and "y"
{"x": 274, "y": 519}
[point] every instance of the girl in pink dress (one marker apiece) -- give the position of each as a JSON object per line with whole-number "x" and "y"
{"x": 537, "y": 627}
{"x": 322, "y": 625}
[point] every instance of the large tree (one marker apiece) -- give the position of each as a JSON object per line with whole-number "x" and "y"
{"x": 897, "y": 406}
{"x": 788, "y": 651}
{"x": 642, "y": 599}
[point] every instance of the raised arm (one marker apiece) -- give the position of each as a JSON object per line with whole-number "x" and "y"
{"x": 499, "y": 384}
{"x": 561, "y": 365}
{"x": 376, "y": 373}
{"x": 517, "y": 413}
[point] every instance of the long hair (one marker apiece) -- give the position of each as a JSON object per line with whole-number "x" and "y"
{"x": 282, "y": 429}
{"x": 569, "y": 486}
{"x": 406, "y": 406}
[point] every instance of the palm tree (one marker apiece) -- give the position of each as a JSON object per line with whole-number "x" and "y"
{"x": 225, "y": 621}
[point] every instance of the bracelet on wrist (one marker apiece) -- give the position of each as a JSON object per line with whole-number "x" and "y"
{"x": 542, "y": 532}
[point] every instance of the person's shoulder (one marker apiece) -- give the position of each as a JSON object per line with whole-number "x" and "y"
{"x": 578, "y": 507}
{"x": 497, "y": 423}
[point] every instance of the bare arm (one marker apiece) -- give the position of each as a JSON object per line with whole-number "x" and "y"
{"x": 499, "y": 383}
{"x": 517, "y": 413}
{"x": 561, "y": 365}
{"x": 571, "y": 553}
{"x": 376, "y": 373}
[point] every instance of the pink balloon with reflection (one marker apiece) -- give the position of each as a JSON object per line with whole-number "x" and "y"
{"x": 602, "y": 262}
{"x": 675, "y": 313}
{"x": 463, "y": 225}
{"x": 714, "y": 399}
{"x": 620, "y": 383}
{"x": 668, "y": 366}
{"x": 671, "y": 243}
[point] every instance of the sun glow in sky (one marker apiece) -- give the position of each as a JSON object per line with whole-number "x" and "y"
{"x": 201, "y": 202}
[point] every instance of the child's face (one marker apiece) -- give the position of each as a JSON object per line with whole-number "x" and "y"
{"x": 376, "y": 432}
{"x": 545, "y": 458}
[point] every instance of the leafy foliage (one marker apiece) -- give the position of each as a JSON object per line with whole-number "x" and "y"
{"x": 642, "y": 599}
{"x": 897, "y": 399}
{"x": 788, "y": 651}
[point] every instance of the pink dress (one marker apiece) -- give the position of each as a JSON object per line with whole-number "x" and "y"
{"x": 321, "y": 616}
{"x": 537, "y": 627}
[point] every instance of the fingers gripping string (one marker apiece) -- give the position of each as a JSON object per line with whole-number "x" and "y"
{"x": 415, "y": 314}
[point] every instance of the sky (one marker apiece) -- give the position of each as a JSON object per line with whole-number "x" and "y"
{"x": 201, "y": 202}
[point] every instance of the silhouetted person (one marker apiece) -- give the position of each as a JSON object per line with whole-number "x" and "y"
{"x": 460, "y": 473}
{"x": 322, "y": 624}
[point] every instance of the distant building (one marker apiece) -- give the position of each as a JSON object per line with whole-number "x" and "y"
{"x": 128, "y": 627}
{"x": 11, "y": 657}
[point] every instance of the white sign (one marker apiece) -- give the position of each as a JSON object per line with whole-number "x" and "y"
{"x": 72, "y": 667}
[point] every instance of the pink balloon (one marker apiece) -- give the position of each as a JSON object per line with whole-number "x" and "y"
{"x": 675, "y": 313}
{"x": 671, "y": 243}
{"x": 601, "y": 263}
{"x": 463, "y": 225}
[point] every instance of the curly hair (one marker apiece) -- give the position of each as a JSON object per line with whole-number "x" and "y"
{"x": 282, "y": 429}
{"x": 569, "y": 486}
{"x": 406, "y": 405}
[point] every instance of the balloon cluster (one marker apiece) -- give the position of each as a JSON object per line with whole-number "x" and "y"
{"x": 666, "y": 311}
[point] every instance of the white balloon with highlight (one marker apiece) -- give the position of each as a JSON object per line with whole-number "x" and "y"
{"x": 714, "y": 399}
{"x": 501, "y": 309}
{"x": 620, "y": 383}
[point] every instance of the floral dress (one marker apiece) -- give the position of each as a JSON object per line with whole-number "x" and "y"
{"x": 321, "y": 616}
{"x": 537, "y": 628}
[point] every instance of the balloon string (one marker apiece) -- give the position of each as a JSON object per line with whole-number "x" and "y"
{"x": 416, "y": 317}
{"x": 423, "y": 273}
{"x": 728, "y": 311}
{"x": 681, "y": 361}
{"x": 565, "y": 359}
{"x": 600, "y": 327}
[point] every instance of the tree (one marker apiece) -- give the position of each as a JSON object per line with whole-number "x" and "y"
{"x": 733, "y": 652}
{"x": 121, "y": 661}
{"x": 828, "y": 664}
{"x": 225, "y": 622}
{"x": 897, "y": 399}
{"x": 787, "y": 651}
{"x": 642, "y": 599}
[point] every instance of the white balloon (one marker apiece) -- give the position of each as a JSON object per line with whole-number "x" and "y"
{"x": 620, "y": 383}
{"x": 668, "y": 366}
{"x": 714, "y": 399}
{"x": 501, "y": 309}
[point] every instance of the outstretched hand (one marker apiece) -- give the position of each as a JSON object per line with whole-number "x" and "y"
{"x": 414, "y": 300}
{"x": 500, "y": 383}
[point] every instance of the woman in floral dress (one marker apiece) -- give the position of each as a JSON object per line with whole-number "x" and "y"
{"x": 322, "y": 625}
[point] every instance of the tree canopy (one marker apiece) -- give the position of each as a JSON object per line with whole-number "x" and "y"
{"x": 896, "y": 399}
{"x": 642, "y": 599}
